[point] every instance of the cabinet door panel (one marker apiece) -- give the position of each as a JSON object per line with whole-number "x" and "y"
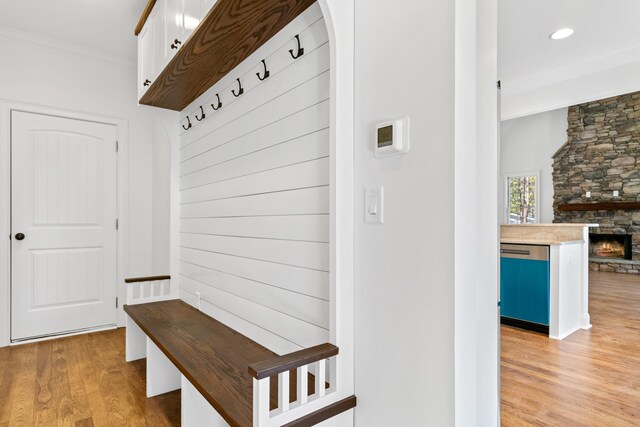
{"x": 157, "y": 23}
{"x": 145, "y": 58}
{"x": 194, "y": 13}
{"x": 524, "y": 290}
{"x": 173, "y": 24}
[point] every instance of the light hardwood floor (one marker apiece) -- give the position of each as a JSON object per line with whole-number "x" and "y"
{"x": 591, "y": 378}
{"x": 79, "y": 381}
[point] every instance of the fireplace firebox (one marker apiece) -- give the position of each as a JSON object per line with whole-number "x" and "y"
{"x": 617, "y": 246}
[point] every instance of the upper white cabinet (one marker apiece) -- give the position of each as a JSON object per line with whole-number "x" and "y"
{"x": 167, "y": 27}
{"x": 186, "y": 63}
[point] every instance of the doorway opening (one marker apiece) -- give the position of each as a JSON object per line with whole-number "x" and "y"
{"x": 568, "y": 100}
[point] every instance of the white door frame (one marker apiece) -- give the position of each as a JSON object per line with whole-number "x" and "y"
{"x": 6, "y": 107}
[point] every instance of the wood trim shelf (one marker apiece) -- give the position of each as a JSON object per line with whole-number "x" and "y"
{"x": 232, "y": 30}
{"x": 600, "y": 206}
{"x": 145, "y": 14}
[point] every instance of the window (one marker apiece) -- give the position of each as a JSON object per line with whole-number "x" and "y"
{"x": 522, "y": 198}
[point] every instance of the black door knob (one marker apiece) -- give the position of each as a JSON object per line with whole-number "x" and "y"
{"x": 20, "y": 236}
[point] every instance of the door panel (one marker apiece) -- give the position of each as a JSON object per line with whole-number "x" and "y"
{"x": 64, "y": 202}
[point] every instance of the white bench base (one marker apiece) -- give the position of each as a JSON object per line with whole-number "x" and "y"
{"x": 136, "y": 340}
{"x": 196, "y": 411}
{"x": 162, "y": 375}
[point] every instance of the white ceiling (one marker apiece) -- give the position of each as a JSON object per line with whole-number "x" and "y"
{"x": 602, "y": 28}
{"x": 105, "y": 26}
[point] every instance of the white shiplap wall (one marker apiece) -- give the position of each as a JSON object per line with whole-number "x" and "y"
{"x": 254, "y": 194}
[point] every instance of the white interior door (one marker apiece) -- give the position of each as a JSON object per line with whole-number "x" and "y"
{"x": 63, "y": 213}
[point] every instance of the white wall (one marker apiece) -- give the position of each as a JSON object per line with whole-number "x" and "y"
{"x": 35, "y": 71}
{"x": 405, "y": 268}
{"x": 254, "y": 191}
{"x": 426, "y": 280}
{"x": 527, "y": 145}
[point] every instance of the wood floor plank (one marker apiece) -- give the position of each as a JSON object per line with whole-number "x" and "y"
{"x": 6, "y": 385}
{"x": 592, "y": 378}
{"x": 24, "y": 390}
{"x": 81, "y": 406}
{"x": 44, "y": 414}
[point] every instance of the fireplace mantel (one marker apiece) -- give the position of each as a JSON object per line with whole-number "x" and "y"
{"x": 600, "y": 206}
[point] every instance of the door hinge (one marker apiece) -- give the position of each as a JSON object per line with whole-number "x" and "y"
{"x": 116, "y": 302}
{"x": 117, "y": 146}
{"x": 117, "y": 224}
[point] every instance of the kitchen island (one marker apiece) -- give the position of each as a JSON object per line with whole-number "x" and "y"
{"x": 567, "y": 264}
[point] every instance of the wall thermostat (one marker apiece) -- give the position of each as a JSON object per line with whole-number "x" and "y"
{"x": 392, "y": 138}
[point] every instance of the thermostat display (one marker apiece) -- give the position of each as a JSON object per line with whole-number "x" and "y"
{"x": 392, "y": 138}
{"x": 385, "y": 136}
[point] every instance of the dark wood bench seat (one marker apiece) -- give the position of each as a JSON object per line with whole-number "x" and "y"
{"x": 212, "y": 356}
{"x": 222, "y": 364}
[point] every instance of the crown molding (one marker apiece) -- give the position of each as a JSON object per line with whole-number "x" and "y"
{"x": 44, "y": 43}
{"x": 596, "y": 65}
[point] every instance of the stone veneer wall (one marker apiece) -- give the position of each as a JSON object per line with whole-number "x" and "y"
{"x": 602, "y": 154}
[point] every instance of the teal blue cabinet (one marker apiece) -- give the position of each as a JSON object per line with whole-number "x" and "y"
{"x": 524, "y": 288}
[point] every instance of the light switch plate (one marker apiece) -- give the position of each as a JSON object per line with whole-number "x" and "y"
{"x": 616, "y": 193}
{"x": 374, "y": 205}
{"x": 588, "y": 194}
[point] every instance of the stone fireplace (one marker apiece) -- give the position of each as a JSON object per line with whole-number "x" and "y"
{"x": 602, "y": 156}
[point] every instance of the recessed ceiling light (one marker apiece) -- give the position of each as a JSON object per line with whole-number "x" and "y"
{"x": 562, "y": 33}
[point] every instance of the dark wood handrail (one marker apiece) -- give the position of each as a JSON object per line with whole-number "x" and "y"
{"x": 325, "y": 413}
{"x": 146, "y": 279}
{"x": 600, "y": 206}
{"x": 287, "y": 362}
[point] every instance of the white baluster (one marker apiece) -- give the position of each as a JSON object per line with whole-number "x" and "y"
{"x": 321, "y": 378}
{"x": 261, "y": 402}
{"x": 303, "y": 384}
{"x": 283, "y": 391}
{"x": 129, "y": 299}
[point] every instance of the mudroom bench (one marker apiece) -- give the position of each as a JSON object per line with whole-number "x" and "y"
{"x": 226, "y": 378}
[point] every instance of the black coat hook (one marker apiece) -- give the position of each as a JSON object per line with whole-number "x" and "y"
{"x": 188, "y": 126}
{"x": 240, "y": 90}
{"x": 300, "y": 49}
{"x": 203, "y": 115}
{"x": 266, "y": 72}
{"x": 219, "y": 106}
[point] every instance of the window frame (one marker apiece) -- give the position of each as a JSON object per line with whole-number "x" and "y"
{"x": 505, "y": 181}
